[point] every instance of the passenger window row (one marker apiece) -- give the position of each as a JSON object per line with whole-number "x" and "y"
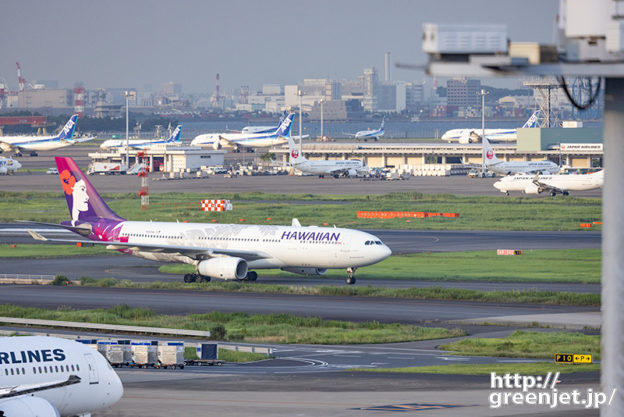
{"x": 47, "y": 369}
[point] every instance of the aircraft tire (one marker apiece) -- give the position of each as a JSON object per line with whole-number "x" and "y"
{"x": 189, "y": 278}
{"x": 252, "y": 276}
{"x": 350, "y": 280}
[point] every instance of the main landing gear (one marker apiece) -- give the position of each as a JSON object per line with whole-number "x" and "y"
{"x": 350, "y": 280}
{"x": 251, "y": 276}
{"x": 196, "y": 278}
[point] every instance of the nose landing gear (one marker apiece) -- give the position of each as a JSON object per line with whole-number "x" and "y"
{"x": 350, "y": 280}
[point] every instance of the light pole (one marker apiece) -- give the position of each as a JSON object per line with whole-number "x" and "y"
{"x": 127, "y": 94}
{"x": 483, "y": 93}
{"x": 300, "y": 93}
{"x": 322, "y": 137}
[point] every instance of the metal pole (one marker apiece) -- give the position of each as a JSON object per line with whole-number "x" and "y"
{"x": 127, "y": 93}
{"x": 322, "y": 101}
{"x": 483, "y": 93}
{"x": 612, "y": 369}
{"x": 300, "y": 133}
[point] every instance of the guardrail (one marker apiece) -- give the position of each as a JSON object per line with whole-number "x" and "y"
{"x": 28, "y": 279}
{"x": 108, "y": 327}
{"x": 250, "y": 349}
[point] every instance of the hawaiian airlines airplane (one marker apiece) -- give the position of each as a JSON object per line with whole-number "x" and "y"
{"x": 555, "y": 184}
{"x": 515, "y": 167}
{"x": 246, "y": 140}
{"x": 9, "y": 165}
{"x": 334, "y": 167}
{"x": 41, "y": 143}
{"x": 47, "y": 376}
{"x": 175, "y": 138}
{"x": 226, "y": 251}
{"x": 371, "y": 134}
{"x": 494, "y": 135}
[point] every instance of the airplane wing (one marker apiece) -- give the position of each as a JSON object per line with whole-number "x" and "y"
{"x": 227, "y": 141}
{"x": 545, "y": 186}
{"x": 15, "y": 391}
{"x": 195, "y": 252}
{"x": 80, "y": 140}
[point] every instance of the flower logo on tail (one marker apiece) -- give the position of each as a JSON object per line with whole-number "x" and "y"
{"x": 295, "y": 153}
{"x": 68, "y": 181}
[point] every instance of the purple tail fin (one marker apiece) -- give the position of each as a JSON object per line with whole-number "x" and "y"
{"x": 83, "y": 201}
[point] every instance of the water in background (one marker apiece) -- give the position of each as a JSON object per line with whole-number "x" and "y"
{"x": 425, "y": 129}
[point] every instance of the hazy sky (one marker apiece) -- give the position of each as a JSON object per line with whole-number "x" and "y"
{"x": 132, "y": 43}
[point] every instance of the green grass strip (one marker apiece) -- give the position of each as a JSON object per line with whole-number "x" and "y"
{"x": 530, "y": 296}
{"x": 538, "y": 368}
{"x": 43, "y": 251}
{"x": 569, "y": 265}
{"x": 261, "y": 328}
{"x": 523, "y": 344}
{"x": 476, "y": 212}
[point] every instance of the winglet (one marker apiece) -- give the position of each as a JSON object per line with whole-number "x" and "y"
{"x": 35, "y": 235}
{"x": 295, "y": 222}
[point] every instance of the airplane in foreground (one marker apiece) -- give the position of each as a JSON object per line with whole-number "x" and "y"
{"x": 44, "y": 376}
{"x": 175, "y": 138}
{"x": 467, "y": 135}
{"x": 371, "y": 134}
{"x": 33, "y": 144}
{"x": 334, "y": 167}
{"x": 226, "y": 251}
{"x": 515, "y": 167}
{"x": 8, "y": 166}
{"x": 554, "y": 184}
{"x": 246, "y": 140}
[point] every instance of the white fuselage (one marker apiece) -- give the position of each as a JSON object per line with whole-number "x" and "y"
{"x": 367, "y": 134}
{"x": 493, "y": 135}
{"x": 33, "y": 143}
{"x": 515, "y": 167}
{"x": 32, "y": 360}
{"x": 134, "y": 143}
{"x": 329, "y": 167}
{"x": 255, "y": 140}
{"x": 571, "y": 182}
{"x": 281, "y": 246}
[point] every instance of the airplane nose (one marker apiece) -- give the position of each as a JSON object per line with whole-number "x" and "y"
{"x": 114, "y": 390}
{"x": 497, "y": 185}
{"x": 384, "y": 252}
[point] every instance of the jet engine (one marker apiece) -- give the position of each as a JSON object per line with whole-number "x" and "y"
{"x": 216, "y": 145}
{"x": 532, "y": 189}
{"x": 352, "y": 173}
{"x": 28, "y": 407}
{"x": 305, "y": 271}
{"x": 4, "y": 170}
{"x": 223, "y": 267}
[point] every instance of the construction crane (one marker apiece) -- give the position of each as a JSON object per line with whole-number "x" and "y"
{"x": 21, "y": 82}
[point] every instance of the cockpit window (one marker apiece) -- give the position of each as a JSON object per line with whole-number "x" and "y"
{"x": 378, "y": 242}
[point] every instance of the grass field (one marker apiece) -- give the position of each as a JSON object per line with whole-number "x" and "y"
{"x": 262, "y": 328}
{"x": 42, "y": 251}
{"x": 538, "y": 368}
{"x": 522, "y": 344}
{"x": 571, "y": 265}
{"x": 476, "y": 212}
{"x": 530, "y": 296}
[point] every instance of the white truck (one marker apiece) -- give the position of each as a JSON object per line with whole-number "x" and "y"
{"x": 107, "y": 168}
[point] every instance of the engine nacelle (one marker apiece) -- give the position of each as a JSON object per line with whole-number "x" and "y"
{"x": 305, "y": 271}
{"x": 532, "y": 189}
{"x": 216, "y": 145}
{"x": 28, "y": 407}
{"x": 226, "y": 267}
{"x": 352, "y": 173}
{"x": 4, "y": 170}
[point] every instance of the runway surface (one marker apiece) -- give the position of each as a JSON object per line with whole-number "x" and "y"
{"x": 386, "y": 310}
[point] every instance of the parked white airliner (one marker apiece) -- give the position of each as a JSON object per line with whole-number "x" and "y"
{"x": 246, "y": 140}
{"x": 47, "y": 376}
{"x": 515, "y": 167}
{"x": 32, "y": 144}
{"x": 334, "y": 167}
{"x": 225, "y": 251}
{"x": 175, "y": 138}
{"x": 371, "y": 134}
{"x": 555, "y": 184}
{"x": 470, "y": 135}
{"x": 9, "y": 165}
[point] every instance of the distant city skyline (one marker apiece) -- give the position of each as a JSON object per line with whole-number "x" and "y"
{"x": 138, "y": 43}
